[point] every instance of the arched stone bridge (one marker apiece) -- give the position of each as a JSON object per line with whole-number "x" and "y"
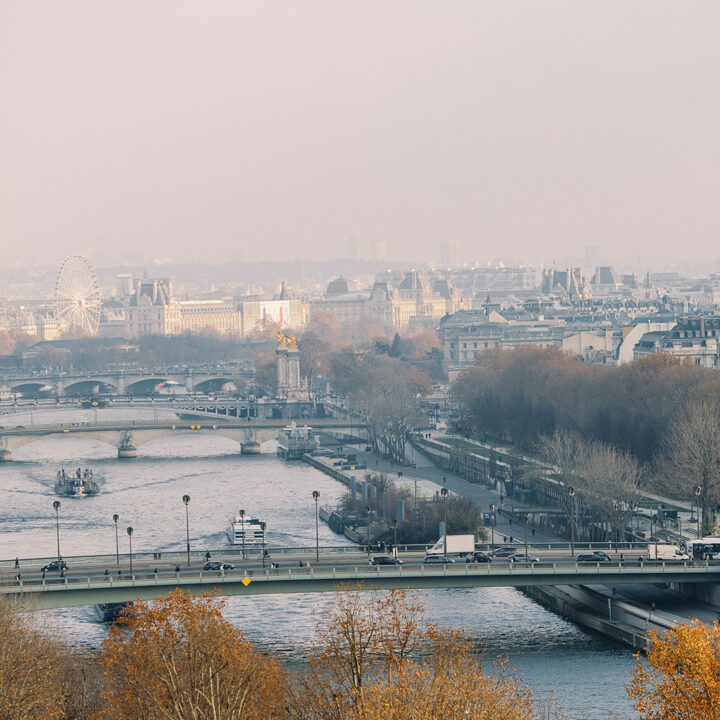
{"x": 128, "y": 436}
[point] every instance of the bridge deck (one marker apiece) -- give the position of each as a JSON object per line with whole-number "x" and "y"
{"x": 79, "y": 590}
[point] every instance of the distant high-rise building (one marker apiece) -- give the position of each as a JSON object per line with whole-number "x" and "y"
{"x": 125, "y": 285}
{"x": 449, "y": 250}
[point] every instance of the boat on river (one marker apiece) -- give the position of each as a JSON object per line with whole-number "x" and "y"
{"x": 245, "y": 530}
{"x": 110, "y": 612}
{"x": 77, "y": 484}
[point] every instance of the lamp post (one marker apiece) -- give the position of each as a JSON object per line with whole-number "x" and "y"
{"x": 116, "y": 517}
{"x": 395, "y": 552}
{"x": 525, "y": 523}
{"x": 316, "y": 497}
{"x": 492, "y": 523}
{"x": 263, "y": 525}
{"x": 615, "y": 524}
{"x": 571, "y": 493}
{"x": 186, "y": 500}
{"x": 444, "y": 494}
{"x": 130, "y": 532}
{"x": 242, "y": 523}
{"x": 56, "y": 508}
{"x": 367, "y": 521}
{"x": 654, "y": 524}
{"x": 698, "y": 491}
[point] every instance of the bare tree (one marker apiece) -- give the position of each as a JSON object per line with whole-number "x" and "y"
{"x": 610, "y": 482}
{"x": 690, "y": 458}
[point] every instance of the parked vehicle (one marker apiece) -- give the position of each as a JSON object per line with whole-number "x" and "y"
{"x": 218, "y": 565}
{"x": 505, "y": 552}
{"x": 54, "y": 566}
{"x": 591, "y": 558}
{"x": 456, "y": 545}
{"x": 385, "y": 560}
{"x": 481, "y": 557}
{"x": 523, "y": 558}
{"x": 437, "y": 560}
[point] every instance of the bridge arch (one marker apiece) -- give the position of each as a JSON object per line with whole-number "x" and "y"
{"x": 83, "y": 388}
{"x": 145, "y": 387}
{"x": 33, "y": 389}
{"x": 213, "y": 385}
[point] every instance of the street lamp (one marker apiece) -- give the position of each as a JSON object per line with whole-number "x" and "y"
{"x": 615, "y": 523}
{"x": 56, "y": 508}
{"x": 525, "y": 523}
{"x": 654, "y": 524}
{"x": 242, "y": 523}
{"x": 116, "y": 517}
{"x": 367, "y": 521}
{"x": 263, "y": 525}
{"x": 698, "y": 491}
{"x": 186, "y": 500}
{"x": 571, "y": 493}
{"x": 316, "y": 497}
{"x": 492, "y": 522}
{"x": 395, "y": 552}
{"x": 444, "y": 494}
{"x": 130, "y": 532}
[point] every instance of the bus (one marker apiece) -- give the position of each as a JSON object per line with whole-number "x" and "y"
{"x": 705, "y": 548}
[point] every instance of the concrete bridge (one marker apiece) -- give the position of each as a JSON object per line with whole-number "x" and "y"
{"x": 76, "y": 590}
{"x": 128, "y": 436}
{"x": 122, "y": 382}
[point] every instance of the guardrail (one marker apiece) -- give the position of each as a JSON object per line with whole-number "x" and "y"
{"x": 92, "y": 588}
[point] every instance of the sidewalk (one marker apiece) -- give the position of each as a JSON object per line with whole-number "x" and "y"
{"x": 430, "y": 479}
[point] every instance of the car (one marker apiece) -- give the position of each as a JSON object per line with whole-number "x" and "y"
{"x": 218, "y": 565}
{"x": 385, "y": 560}
{"x": 54, "y": 566}
{"x": 523, "y": 558}
{"x": 603, "y": 555}
{"x": 591, "y": 558}
{"x": 506, "y": 551}
{"x": 437, "y": 560}
{"x": 480, "y": 557}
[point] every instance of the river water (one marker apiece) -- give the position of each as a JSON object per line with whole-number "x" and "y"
{"x": 585, "y": 673}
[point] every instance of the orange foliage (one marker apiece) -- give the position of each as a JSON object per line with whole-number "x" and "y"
{"x": 178, "y": 659}
{"x": 679, "y": 679}
{"x": 376, "y": 659}
{"x": 31, "y": 676}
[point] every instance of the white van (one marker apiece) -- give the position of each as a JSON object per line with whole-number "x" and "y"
{"x": 664, "y": 551}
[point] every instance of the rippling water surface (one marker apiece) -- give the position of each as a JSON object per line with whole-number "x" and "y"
{"x": 584, "y": 672}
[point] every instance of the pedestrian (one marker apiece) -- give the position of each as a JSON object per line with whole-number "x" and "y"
{"x": 43, "y": 574}
{"x": 207, "y": 556}
{"x": 155, "y": 572}
{"x": 177, "y": 568}
{"x": 62, "y": 572}
{"x": 504, "y": 538}
{"x": 107, "y": 572}
{"x": 511, "y": 538}
{"x": 17, "y": 562}
{"x": 532, "y": 530}
{"x": 300, "y": 563}
{"x": 653, "y": 606}
{"x": 622, "y": 558}
{"x": 17, "y": 577}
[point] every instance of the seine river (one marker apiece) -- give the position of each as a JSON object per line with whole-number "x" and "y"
{"x": 584, "y": 672}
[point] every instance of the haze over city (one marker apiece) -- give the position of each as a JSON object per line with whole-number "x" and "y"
{"x": 195, "y": 132}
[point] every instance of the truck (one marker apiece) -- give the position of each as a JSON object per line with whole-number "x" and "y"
{"x": 456, "y": 545}
{"x": 664, "y": 552}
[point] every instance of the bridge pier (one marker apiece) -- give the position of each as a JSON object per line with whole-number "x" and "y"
{"x": 5, "y": 455}
{"x": 127, "y": 451}
{"x": 250, "y": 448}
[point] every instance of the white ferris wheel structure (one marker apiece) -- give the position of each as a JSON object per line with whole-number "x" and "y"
{"x": 77, "y": 297}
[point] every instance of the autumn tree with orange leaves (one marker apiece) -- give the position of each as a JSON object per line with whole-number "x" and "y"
{"x": 377, "y": 659}
{"x": 178, "y": 659}
{"x": 679, "y": 678}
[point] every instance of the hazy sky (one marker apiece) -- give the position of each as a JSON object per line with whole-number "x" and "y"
{"x": 215, "y": 130}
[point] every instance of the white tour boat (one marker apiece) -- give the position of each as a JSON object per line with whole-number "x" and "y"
{"x": 247, "y": 528}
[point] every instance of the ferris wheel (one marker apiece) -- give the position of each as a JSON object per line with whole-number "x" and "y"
{"x": 77, "y": 297}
